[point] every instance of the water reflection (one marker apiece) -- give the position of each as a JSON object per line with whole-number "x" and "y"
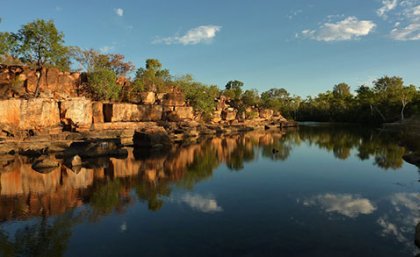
{"x": 106, "y": 183}
{"x": 109, "y": 186}
{"x": 345, "y": 204}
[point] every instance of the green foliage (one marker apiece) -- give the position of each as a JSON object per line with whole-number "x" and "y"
{"x": 341, "y": 90}
{"x": 388, "y": 100}
{"x": 91, "y": 60}
{"x": 234, "y": 89}
{"x": 153, "y": 77}
{"x": 40, "y": 43}
{"x": 8, "y": 44}
{"x": 250, "y": 98}
{"x": 102, "y": 85}
{"x": 106, "y": 198}
{"x": 279, "y": 99}
{"x": 201, "y": 97}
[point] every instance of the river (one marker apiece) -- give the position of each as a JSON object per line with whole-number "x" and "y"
{"x": 312, "y": 191}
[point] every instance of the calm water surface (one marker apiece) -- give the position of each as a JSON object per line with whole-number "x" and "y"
{"x": 318, "y": 191}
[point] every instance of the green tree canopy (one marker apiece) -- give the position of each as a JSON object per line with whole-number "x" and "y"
{"x": 234, "y": 89}
{"x": 153, "y": 77}
{"x": 40, "y": 43}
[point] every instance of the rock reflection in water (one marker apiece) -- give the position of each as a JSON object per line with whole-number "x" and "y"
{"x": 105, "y": 183}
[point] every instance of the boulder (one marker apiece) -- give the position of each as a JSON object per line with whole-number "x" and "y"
{"x": 76, "y": 161}
{"x": 181, "y": 113}
{"x": 45, "y": 165}
{"x": 229, "y": 114}
{"x": 98, "y": 149}
{"x": 266, "y": 114}
{"x": 76, "y": 112}
{"x": 155, "y": 137}
{"x": 217, "y": 116}
{"x": 148, "y": 97}
{"x": 173, "y": 99}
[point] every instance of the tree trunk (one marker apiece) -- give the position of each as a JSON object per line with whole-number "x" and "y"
{"x": 380, "y": 113}
{"x": 38, "y": 82}
{"x": 402, "y": 111}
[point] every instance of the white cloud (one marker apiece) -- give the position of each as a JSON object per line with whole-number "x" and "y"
{"x": 119, "y": 12}
{"x": 192, "y": 37}
{"x": 387, "y": 6}
{"x": 345, "y": 204}
{"x": 409, "y": 32}
{"x": 348, "y": 29}
{"x": 106, "y": 49}
{"x": 201, "y": 203}
{"x": 405, "y": 16}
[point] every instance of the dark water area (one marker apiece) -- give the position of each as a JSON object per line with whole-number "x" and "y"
{"x": 314, "y": 191}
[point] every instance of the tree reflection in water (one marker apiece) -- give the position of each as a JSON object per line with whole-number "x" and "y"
{"x": 42, "y": 239}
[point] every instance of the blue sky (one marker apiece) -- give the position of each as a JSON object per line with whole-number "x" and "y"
{"x": 305, "y": 46}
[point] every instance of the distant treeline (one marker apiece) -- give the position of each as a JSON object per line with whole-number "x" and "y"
{"x": 39, "y": 44}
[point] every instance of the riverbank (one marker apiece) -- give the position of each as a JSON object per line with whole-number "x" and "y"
{"x": 409, "y": 132}
{"x": 53, "y": 124}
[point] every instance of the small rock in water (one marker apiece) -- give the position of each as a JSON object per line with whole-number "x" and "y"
{"x": 76, "y": 161}
{"x": 45, "y": 165}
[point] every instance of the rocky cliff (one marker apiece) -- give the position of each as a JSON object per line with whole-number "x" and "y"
{"x": 62, "y": 114}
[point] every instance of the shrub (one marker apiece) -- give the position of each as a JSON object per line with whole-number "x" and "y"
{"x": 102, "y": 85}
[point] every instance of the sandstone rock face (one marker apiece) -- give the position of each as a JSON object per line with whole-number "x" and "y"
{"x": 77, "y": 111}
{"x": 181, "y": 113}
{"x": 172, "y": 99}
{"x": 229, "y": 114}
{"x": 217, "y": 116}
{"x": 266, "y": 114}
{"x": 122, "y": 112}
{"x": 278, "y": 116}
{"x": 97, "y": 112}
{"x": 10, "y": 112}
{"x": 125, "y": 112}
{"x": 38, "y": 113}
{"x": 148, "y": 97}
{"x": 52, "y": 81}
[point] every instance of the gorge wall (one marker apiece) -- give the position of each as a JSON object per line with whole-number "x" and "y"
{"x": 63, "y": 114}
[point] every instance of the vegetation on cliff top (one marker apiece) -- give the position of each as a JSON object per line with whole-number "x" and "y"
{"x": 39, "y": 44}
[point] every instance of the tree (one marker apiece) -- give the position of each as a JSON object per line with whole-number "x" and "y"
{"x": 102, "y": 85}
{"x": 341, "y": 90}
{"x": 91, "y": 60}
{"x": 234, "y": 89}
{"x": 406, "y": 95}
{"x": 392, "y": 93}
{"x": 277, "y": 99}
{"x": 40, "y": 43}
{"x": 8, "y": 43}
{"x": 250, "y": 98}
{"x": 366, "y": 96}
{"x": 200, "y": 96}
{"x": 153, "y": 77}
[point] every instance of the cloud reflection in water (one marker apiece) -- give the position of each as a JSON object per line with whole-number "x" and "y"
{"x": 345, "y": 204}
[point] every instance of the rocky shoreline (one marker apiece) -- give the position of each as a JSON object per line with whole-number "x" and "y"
{"x": 63, "y": 115}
